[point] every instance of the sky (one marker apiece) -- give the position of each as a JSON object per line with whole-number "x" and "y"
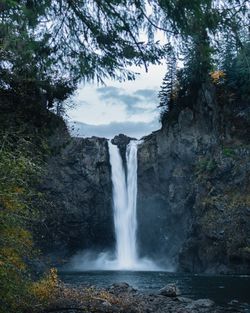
{"x": 128, "y": 107}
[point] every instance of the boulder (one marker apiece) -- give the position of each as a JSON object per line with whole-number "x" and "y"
{"x": 201, "y": 303}
{"x": 121, "y": 287}
{"x": 170, "y": 290}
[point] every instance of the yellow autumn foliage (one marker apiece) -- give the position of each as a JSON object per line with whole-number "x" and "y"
{"x": 217, "y": 76}
{"x": 45, "y": 289}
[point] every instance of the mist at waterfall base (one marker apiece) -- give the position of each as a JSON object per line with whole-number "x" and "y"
{"x": 125, "y": 256}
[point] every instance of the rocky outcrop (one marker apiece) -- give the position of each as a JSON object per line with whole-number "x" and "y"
{"x": 123, "y": 298}
{"x": 170, "y": 290}
{"x": 219, "y": 238}
{"x": 193, "y": 189}
{"x": 122, "y": 141}
{"x": 79, "y": 196}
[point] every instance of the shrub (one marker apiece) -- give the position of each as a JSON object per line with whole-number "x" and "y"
{"x": 45, "y": 289}
{"x": 16, "y": 245}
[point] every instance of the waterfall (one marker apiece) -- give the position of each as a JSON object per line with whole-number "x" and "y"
{"x": 124, "y": 203}
{"x": 124, "y": 206}
{"x": 124, "y": 194}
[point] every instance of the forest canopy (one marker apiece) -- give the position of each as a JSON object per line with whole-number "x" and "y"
{"x": 48, "y": 47}
{"x": 213, "y": 44}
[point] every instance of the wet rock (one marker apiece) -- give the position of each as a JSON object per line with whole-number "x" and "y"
{"x": 117, "y": 299}
{"x": 233, "y": 302}
{"x": 184, "y": 299}
{"x": 201, "y": 303}
{"x": 121, "y": 287}
{"x": 122, "y": 141}
{"x": 170, "y": 290}
{"x": 106, "y": 303}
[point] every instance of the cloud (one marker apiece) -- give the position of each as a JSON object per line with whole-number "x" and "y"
{"x": 117, "y": 94}
{"x": 100, "y": 110}
{"x": 135, "y": 102}
{"x": 110, "y": 90}
{"x": 132, "y": 129}
{"x": 147, "y": 93}
{"x": 128, "y": 100}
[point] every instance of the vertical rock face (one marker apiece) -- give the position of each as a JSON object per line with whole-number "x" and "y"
{"x": 165, "y": 190}
{"x": 192, "y": 191}
{"x": 79, "y": 191}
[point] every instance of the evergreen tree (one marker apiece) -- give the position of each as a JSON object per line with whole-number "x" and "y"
{"x": 237, "y": 72}
{"x": 166, "y": 94}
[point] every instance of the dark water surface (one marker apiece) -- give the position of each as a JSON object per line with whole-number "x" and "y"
{"x": 221, "y": 289}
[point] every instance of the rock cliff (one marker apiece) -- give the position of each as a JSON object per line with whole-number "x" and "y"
{"x": 78, "y": 191}
{"x": 193, "y": 189}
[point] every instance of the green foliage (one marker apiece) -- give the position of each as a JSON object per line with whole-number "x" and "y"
{"x": 74, "y": 40}
{"x": 47, "y": 47}
{"x": 228, "y": 152}
{"x": 166, "y": 94}
{"x": 193, "y": 20}
{"x": 238, "y": 74}
{"x": 205, "y": 165}
{"x": 16, "y": 172}
{"x": 187, "y": 17}
{"x": 214, "y": 38}
{"x": 181, "y": 86}
{"x": 25, "y": 58}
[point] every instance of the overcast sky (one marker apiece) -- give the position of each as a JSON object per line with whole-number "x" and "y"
{"x": 129, "y": 107}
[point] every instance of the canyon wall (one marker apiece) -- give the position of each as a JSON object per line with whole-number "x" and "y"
{"x": 193, "y": 191}
{"x": 78, "y": 190}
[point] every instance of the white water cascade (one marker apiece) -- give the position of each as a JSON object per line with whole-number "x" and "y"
{"x": 124, "y": 203}
{"x": 125, "y": 219}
